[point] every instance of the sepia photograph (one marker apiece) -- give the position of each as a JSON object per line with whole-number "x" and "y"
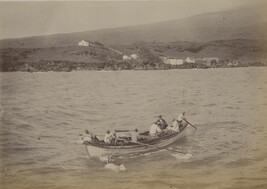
{"x": 133, "y": 94}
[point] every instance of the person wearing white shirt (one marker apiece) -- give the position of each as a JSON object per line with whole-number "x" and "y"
{"x": 87, "y": 136}
{"x": 181, "y": 119}
{"x": 135, "y": 136}
{"x": 175, "y": 126}
{"x": 154, "y": 129}
{"x": 109, "y": 137}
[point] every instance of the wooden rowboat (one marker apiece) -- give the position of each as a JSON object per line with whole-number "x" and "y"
{"x": 131, "y": 148}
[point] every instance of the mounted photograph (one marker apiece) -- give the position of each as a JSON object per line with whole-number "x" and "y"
{"x": 133, "y": 94}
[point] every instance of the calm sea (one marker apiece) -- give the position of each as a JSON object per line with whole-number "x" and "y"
{"x": 43, "y": 113}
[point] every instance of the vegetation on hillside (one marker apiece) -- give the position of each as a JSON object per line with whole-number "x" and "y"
{"x": 100, "y": 57}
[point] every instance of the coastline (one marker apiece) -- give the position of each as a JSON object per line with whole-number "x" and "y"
{"x": 143, "y": 56}
{"x": 108, "y": 69}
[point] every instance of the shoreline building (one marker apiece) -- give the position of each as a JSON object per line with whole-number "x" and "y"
{"x": 172, "y": 61}
{"x": 85, "y": 43}
{"x": 131, "y": 57}
{"x": 125, "y": 57}
{"x": 190, "y": 60}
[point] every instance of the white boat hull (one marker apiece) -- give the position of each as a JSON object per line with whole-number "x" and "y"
{"x": 96, "y": 151}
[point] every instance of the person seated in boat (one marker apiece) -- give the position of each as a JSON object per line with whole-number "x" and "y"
{"x": 135, "y": 136}
{"x": 154, "y": 129}
{"x": 175, "y": 126}
{"x": 182, "y": 120}
{"x": 110, "y": 137}
{"x": 89, "y": 137}
{"x": 86, "y": 136}
{"x": 162, "y": 123}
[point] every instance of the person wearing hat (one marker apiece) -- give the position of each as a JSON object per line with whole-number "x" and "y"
{"x": 161, "y": 123}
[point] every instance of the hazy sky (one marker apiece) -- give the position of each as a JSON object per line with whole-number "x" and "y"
{"x": 20, "y": 19}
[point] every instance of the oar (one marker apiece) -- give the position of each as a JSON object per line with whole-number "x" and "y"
{"x": 190, "y": 124}
{"x": 158, "y": 147}
{"x": 124, "y": 130}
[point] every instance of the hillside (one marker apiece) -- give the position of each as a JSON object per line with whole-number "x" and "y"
{"x": 98, "y": 57}
{"x": 246, "y": 23}
{"x": 238, "y": 49}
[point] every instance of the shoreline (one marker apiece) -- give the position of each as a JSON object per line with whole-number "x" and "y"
{"x": 114, "y": 70}
{"x": 146, "y": 56}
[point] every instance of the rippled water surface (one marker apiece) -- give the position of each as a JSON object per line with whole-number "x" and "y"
{"x": 43, "y": 113}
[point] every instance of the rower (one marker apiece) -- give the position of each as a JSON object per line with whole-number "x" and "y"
{"x": 135, "y": 136}
{"x": 162, "y": 123}
{"x": 182, "y": 120}
{"x": 154, "y": 129}
{"x": 175, "y": 126}
{"x": 110, "y": 138}
{"x": 89, "y": 137}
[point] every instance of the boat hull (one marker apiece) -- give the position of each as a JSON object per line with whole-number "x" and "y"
{"x": 97, "y": 151}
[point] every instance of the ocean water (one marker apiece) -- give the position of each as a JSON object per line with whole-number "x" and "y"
{"x": 42, "y": 115}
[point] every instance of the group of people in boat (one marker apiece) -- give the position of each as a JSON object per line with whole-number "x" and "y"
{"x": 161, "y": 125}
{"x": 158, "y": 127}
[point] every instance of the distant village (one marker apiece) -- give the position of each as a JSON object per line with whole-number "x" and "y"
{"x": 207, "y": 61}
{"x": 93, "y": 55}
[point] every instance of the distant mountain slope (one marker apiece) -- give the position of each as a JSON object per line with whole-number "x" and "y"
{"x": 246, "y": 23}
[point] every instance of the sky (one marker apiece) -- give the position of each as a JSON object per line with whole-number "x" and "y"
{"x": 34, "y": 18}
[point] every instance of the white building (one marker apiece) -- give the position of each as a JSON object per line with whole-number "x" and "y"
{"x": 172, "y": 61}
{"x": 134, "y": 56}
{"x": 84, "y": 43}
{"x": 125, "y": 57}
{"x": 190, "y": 60}
{"x": 176, "y": 61}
